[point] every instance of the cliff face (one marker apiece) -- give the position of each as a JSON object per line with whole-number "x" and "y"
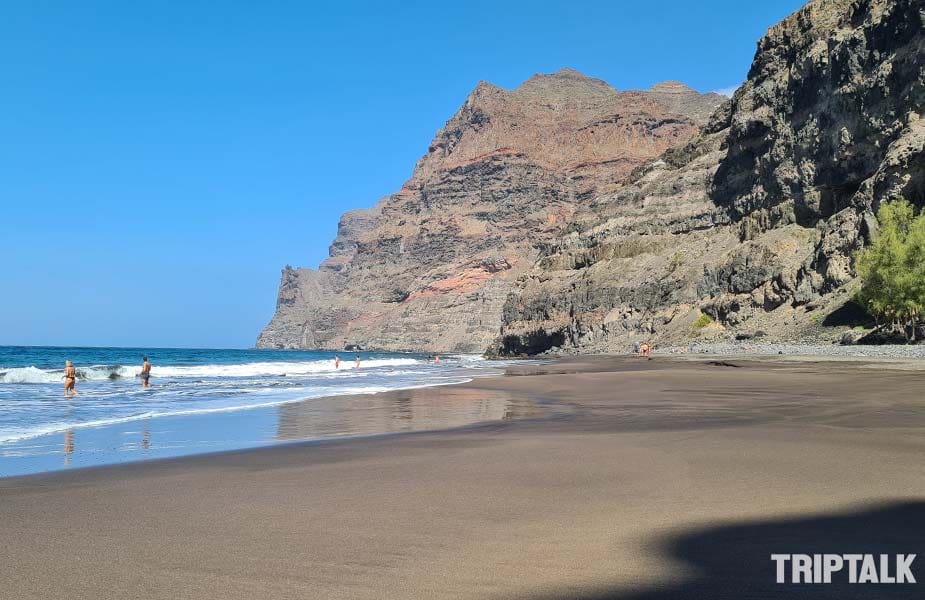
{"x": 430, "y": 267}
{"x": 565, "y": 214}
{"x": 756, "y": 220}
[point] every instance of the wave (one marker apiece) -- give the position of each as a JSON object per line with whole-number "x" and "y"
{"x": 263, "y": 369}
{"x": 36, "y": 375}
{"x": 256, "y": 369}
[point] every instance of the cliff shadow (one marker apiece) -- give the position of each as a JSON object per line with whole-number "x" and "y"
{"x": 733, "y": 561}
{"x": 530, "y": 344}
{"x": 849, "y": 314}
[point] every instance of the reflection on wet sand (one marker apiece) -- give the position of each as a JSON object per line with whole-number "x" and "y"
{"x": 146, "y": 436}
{"x": 334, "y": 417}
{"x": 68, "y": 446}
{"x": 397, "y": 411}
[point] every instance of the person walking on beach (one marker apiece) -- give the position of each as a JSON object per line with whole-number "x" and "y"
{"x": 336, "y": 361}
{"x": 145, "y": 372}
{"x": 70, "y": 379}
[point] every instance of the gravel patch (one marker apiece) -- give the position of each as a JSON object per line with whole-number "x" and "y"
{"x": 747, "y": 348}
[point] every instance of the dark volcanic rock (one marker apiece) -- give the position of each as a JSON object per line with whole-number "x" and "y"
{"x": 755, "y": 221}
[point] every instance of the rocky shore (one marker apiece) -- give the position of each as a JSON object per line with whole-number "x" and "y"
{"x": 748, "y": 348}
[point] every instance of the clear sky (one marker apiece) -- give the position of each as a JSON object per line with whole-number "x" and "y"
{"x": 161, "y": 161}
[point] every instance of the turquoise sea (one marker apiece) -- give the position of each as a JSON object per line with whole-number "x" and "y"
{"x": 203, "y": 400}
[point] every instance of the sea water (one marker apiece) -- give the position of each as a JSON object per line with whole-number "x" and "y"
{"x": 224, "y": 395}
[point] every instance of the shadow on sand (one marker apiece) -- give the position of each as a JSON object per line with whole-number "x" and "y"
{"x": 733, "y": 561}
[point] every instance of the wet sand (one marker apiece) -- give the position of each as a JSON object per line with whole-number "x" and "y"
{"x": 670, "y": 478}
{"x": 332, "y": 417}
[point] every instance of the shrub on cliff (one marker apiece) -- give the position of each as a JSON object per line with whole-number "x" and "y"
{"x": 702, "y": 321}
{"x": 892, "y": 269}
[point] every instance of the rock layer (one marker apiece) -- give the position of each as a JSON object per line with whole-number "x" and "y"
{"x": 567, "y": 216}
{"x": 754, "y": 222}
{"x": 431, "y": 266}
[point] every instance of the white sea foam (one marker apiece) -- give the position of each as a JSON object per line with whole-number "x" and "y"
{"x": 263, "y": 369}
{"x": 31, "y": 375}
{"x": 36, "y": 375}
{"x": 256, "y": 369}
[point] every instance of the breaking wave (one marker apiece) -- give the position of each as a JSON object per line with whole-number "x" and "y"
{"x": 255, "y": 369}
{"x": 36, "y": 375}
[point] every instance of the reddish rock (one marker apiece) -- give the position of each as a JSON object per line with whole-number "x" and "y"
{"x": 429, "y": 267}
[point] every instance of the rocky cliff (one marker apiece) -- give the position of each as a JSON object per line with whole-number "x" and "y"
{"x": 431, "y": 266}
{"x": 754, "y": 222}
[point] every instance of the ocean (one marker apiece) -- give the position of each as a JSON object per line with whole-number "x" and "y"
{"x": 203, "y": 400}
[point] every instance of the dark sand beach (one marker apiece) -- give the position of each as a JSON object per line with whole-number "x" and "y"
{"x": 670, "y": 478}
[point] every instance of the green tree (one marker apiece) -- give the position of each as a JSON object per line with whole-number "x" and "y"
{"x": 892, "y": 269}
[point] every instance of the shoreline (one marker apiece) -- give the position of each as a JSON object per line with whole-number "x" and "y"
{"x": 116, "y": 420}
{"x": 312, "y": 420}
{"x": 265, "y": 415}
{"x": 658, "y": 472}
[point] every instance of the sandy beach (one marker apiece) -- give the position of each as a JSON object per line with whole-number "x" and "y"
{"x": 669, "y": 478}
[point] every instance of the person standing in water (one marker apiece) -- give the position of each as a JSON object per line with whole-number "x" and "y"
{"x": 70, "y": 379}
{"x": 145, "y": 372}
{"x": 336, "y": 361}
{"x": 358, "y": 360}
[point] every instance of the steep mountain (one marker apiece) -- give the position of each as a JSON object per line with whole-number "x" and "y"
{"x": 431, "y": 266}
{"x": 756, "y": 220}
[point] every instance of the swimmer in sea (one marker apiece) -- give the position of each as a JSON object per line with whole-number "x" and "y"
{"x": 336, "y": 361}
{"x": 145, "y": 372}
{"x": 358, "y": 360}
{"x": 70, "y": 379}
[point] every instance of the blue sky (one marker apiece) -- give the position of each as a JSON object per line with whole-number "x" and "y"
{"x": 161, "y": 161}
